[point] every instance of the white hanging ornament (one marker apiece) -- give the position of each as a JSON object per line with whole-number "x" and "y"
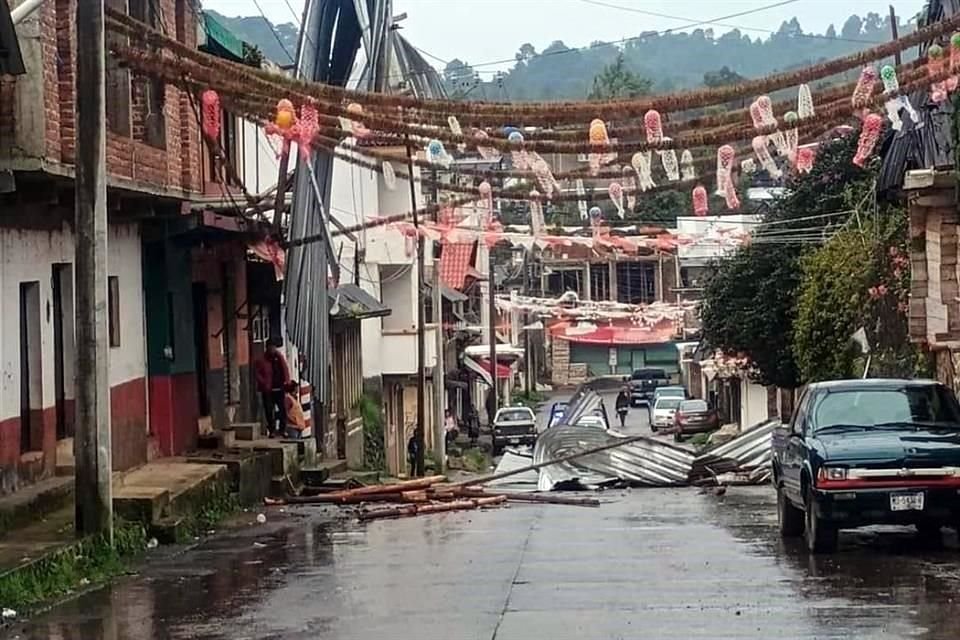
{"x": 687, "y": 169}
{"x": 456, "y": 130}
{"x": 543, "y": 174}
{"x": 895, "y": 102}
{"x": 581, "y": 199}
{"x": 791, "y": 135}
{"x": 761, "y": 111}
{"x": 763, "y": 155}
{"x": 389, "y": 175}
{"x": 641, "y": 164}
{"x": 518, "y": 156}
{"x": 537, "y": 222}
{"x": 726, "y": 156}
{"x": 629, "y": 182}
{"x": 748, "y": 166}
{"x": 437, "y": 154}
{"x": 615, "y": 191}
{"x": 804, "y": 102}
{"x": 487, "y": 153}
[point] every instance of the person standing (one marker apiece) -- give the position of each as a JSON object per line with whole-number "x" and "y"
{"x": 273, "y": 376}
{"x": 623, "y": 405}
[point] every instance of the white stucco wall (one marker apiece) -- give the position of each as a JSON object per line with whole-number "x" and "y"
{"x": 27, "y": 256}
{"x": 753, "y": 403}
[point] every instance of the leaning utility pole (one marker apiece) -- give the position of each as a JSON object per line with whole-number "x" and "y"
{"x": 94, "y": 495}
{"x": 421, "y": 319}
{"x": 439, "y": 426}
{"x": 491, "y": 289}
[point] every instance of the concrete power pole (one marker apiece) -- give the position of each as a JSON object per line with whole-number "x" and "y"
{"x": 439, "y": 430}
{"x": 94, "y": 495}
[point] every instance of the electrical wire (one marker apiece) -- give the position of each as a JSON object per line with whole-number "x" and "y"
{"x": 273, "y": 31}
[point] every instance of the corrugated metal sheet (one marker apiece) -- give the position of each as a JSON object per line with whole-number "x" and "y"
{"x": 522, "y": 482}
{"x": 751, "y": 453}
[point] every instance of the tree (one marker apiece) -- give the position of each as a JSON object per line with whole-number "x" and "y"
{"x": 831, "y": 32}
{"x": 616, "y": 81}
{"x": 852, "y": 28}
{"x": 526, "y": 53}
{"x": 722, "y": 77}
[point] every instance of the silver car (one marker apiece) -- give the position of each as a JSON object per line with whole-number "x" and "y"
{"x": 663, "y": 411}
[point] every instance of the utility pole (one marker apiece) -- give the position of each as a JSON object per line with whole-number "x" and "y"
{"x": 421, "y": 319}
{"x": 524, "y": 319}
{"x": 439, "y": 428}
{"x": 94, "y": 495}
{"x": 491, "y": 290}
{"x": 894, "y": 35}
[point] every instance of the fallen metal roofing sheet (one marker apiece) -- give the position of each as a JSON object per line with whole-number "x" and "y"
{"x": 749, "y": 452}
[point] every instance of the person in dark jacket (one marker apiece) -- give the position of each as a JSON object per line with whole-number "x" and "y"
{"x": 273, "y": 377}
{"x": 623, "y": 405}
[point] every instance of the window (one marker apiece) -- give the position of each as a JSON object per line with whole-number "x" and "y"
{"x": 154, "y": 121}
{"x": 117, "y": 81}
{"x": 113, "y": 309}
{"x": 868, "y": 407}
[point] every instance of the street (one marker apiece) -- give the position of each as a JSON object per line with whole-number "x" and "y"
{"x": 648, "y": 563}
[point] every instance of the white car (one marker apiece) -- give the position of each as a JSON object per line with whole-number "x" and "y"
{"x": 592, "y": 421}
{"x": 663, "y": 412}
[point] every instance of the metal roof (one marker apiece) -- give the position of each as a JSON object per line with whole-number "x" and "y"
{"x": 11, "y": 61}
{"x": 355, "y": 304}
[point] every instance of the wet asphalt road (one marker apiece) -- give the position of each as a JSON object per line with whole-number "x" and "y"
{"x": 650, "y": 563}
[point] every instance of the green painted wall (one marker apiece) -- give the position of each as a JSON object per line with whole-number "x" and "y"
{"x": 168, "y": 303}
{"x": 597, "y": 358}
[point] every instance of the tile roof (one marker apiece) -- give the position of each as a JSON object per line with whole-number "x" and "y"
{"x": 456, "y": 261}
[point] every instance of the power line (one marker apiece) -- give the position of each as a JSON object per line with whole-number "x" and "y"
{"x": 273, "y": 31}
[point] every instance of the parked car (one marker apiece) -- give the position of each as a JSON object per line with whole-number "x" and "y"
{"x": 514, "y": 425}
{"x": 694, "y": 416}
{"x": 859, "y": 452}
{"x": 669, "y": 392}
{"x": 593, "y": 420}
{"x": 557, "y": 412}
{"x": 643, "y": 383}
{"x": 662, "y": 415}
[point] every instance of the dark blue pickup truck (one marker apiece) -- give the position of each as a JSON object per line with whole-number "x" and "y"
{"x": 859, "y": 452}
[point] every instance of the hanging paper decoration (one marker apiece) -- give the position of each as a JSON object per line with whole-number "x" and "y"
{"x": 596, "y": 220}
{"x": 581, "y": 199}
{"x": 389, "y": 175}
{"x": 537, "y": 223}
{"x": 487, "y": 153}
{"x": 869, "y": 134}
{"x": 804, "y": 102}
{"x": 629, "y": 182}
{"x": 792, "y": 134}
{"x": 668, "y": 157}
{"x": 701, "y": 202}
{"x": 954, "y": 80}
{"x": 357, "y": 128}
{"x": 766, "y": 160}
{"x": 805, "y": 157}
{"x": 518, "y": 156}
{"x": 284, "y": 125}
{"x": 211, "y": 114}
{"x": 486, "y": 195}
{"x": 748, "y": 166}
{"x": 936, "y": 64}
{"x": 543, "y": 174}
{"x": 437, "y": 153}
{"x": 641, "y": 164}
{"x": 456, "y": 130}
{"x": 896, "y": 102}
{"x": 725, "y": 159}
{"x": 308, "y": 128}
{"x": 863, "y": 91}
{"x": 615, "y": 191}
{"x": 762, "y": 113}
{"x": 599, "y": 138}
{"x": 687, "y": 169}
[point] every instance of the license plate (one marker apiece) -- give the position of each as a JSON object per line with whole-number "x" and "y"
{"x": 514, "y": 440}
{"x": 906, "y": 502}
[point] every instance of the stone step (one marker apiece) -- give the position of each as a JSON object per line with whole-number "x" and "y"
{"x": 247, "y": 431}
{"x": 249, "y": 471}
{"x": 220, "y": 439}
{"x": 284, "y": 456}
{"x": 168, "y": 487}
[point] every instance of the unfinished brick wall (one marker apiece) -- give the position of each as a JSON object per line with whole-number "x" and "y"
{"x": 174, "y": 163}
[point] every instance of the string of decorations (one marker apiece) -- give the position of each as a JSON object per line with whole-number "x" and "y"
{"x": 482, "y": 113}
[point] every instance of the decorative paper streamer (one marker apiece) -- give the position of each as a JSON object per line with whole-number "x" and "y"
{"x": 629, "y": 182}
{"x": 869, "y": 134}
{"x": 896, "y": 102}
{"x": 863, "y": 91}
{"x": 936, "y": 64}
{"x": 804, "y": 102}
{"x": 615, "y": 191}
{"x": 762, "y": 113}
{"x": 641, "y": 164}
{"x": 687, "y": 169}
{"x": 791, "y": 135}
{"x": 211, "y": 114}
{"x": 805, "y": 157}
{"x": 726, "y": 156}
{"x": 598, "y": 136}
{"x": 537, "y": 223}
{"x": 766, "y": 160}
{"x": 581, "y": 203}
{"x": 389, "y": 175}
{"x": 701, "y": 202}
{"x": 437, "y": 153}
{"x": 307, "y": 129}
{"x": 518, "y": 156}
{"x": 487, "y": 153}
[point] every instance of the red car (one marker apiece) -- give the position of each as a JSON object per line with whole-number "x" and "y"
{"x": 694, "y": 416}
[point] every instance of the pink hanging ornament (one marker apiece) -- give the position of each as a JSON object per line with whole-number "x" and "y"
{"x": 864, "y": 91}
{"x": 615, "y": 191}
{"x": 537, "y": 223}
{"x": 764, "y": 112}
{"x": 357, "y": 128}
{"x": 936, "y": 64}
{"x": 211, "y": 114}
{"x": 869, "y": 134}
{"x": 284, "y": 125}
{"x": 653, "y": 124}
{"x": 641, "y": 164}
{"x": 701, "y": 202}
{"x": 599, "y": 138}
{"x": 629, "y": 182}
{"x": 307, "y": 129}
{"x": 805, "y": 158}
{"x": 486, "y": 203}
{"x": 954, "y": 80}
{"x": 687, "y": 169}
{"x": 726, "y": 156}
{"x": 766, "y": 160}
{"x": 487, "y": 153}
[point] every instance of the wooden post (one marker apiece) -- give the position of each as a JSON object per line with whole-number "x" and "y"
{"x": 94, "y": 496}
{"x": 439, "y": 426}
{"x": 893, "y": 34}
{"x": 421, "y": 319}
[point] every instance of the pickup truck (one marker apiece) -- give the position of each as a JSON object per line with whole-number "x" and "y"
{"x": 643, "y": 384}
{"x": 514, "y": 425}
{"x": 861, "y": 452}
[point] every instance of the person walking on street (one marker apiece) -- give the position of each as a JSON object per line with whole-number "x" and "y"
{"x": 623, "y": 405}
{"x": 273, "y": 377}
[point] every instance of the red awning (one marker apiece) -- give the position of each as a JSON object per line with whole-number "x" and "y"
{"x": 503, "y": 371}
{"x": 614, "y": 334}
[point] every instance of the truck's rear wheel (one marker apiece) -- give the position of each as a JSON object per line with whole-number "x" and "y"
{"x": 821, "y": 537}
{"x": 789, "y": 517}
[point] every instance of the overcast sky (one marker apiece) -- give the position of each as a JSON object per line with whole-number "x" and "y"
{"x": 482, "y": 31}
